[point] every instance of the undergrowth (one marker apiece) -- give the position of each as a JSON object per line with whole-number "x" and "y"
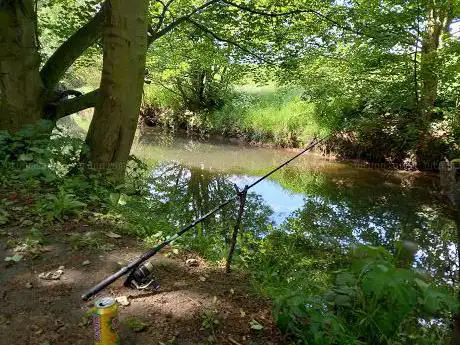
{"x": 364, "y": 299}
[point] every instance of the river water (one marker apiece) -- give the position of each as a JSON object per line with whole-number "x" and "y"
{"x": 346, "y": 203}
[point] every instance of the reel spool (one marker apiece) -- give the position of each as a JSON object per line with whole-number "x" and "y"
{"x": 142, "y": 278}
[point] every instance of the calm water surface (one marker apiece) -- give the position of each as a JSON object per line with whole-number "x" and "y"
{"x": 242, "y": 164}
{"x": 336, "y": 201}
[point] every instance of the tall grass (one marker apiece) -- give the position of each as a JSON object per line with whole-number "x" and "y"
{"x": 267, "y": 114}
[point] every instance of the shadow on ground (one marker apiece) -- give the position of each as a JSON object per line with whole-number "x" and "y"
{"x": 195, "y": 305}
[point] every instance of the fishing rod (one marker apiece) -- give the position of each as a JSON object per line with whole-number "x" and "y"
{"x": 139, "y": 272}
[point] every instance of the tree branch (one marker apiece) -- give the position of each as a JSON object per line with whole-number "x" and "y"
{"x": 160, "y": 33}
{"x": 162, "y": 16}
{"x": 221, "y": 39}
{"x": 61, "y": 95}
{"x": 82, "y": 39}
{"x": 288, "y": 13}
{"x": 267, "y": 14}
{"x": 294, "y": 12}
{"x": 167, "y": 88}
{"x": 70, "y": 50}
{"x": 55, "y": 111}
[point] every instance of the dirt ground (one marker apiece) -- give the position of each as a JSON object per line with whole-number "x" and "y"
{"x": 195, "y": 305}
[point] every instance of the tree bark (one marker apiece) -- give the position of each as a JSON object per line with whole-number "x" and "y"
{"x": 71, "y": 106}
{"x": 150, "y": 40}
{"x": 20, "y": 83}
{"x": 438, "y": 21}
{"x": 114, "y": 123}
{"x": 25, "y": 91}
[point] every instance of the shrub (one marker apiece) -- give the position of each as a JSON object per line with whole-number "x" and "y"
{"x": 371, "y": 302}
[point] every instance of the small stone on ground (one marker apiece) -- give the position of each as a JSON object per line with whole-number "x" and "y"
{"x": 192, "y": 263}
{"x": 123, "y": 300}
{"x": 51, "y": 275}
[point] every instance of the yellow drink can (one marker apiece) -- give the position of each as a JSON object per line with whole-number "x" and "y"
{"x": 105, "y": 322}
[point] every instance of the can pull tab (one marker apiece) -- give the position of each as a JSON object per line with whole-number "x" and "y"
{"x": 142, "y": 278}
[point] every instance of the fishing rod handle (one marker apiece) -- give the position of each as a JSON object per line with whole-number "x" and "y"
{"x": 103, "y": 284}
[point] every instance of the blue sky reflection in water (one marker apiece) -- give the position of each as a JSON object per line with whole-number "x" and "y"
{"x": 280, "y": 200}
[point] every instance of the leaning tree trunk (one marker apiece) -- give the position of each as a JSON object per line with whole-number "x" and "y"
{"x": 20, "y": 83}
{"x": 428, "y": 75}
{"x": 112, "y": 129}
{"x": 438, "y": 21}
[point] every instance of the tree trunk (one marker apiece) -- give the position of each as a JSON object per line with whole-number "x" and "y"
{"x": 439, "y": 17}
{"x": 61, "y": 60}
{"x": 112, "y": 129}
{"x": 438, "y": 22}
{"x": 20, "y": 83}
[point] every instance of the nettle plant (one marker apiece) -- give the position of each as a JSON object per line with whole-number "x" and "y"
{"x": 371, "y": 302}
{"x": 41, "y": 150}
{"x": 45, "y": 160}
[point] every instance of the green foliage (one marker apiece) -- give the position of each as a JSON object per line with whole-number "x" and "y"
{"x": 46, "y": 162}
{"x": 268, "y": 114}
{"x": 57, "y": 206}
{"x": 209, "y": 319}
{"x": 255, "y": 325}
{"x": 371, "y": 302}
{"x": 57, "y": 20}
{"x": 347, "y": 66}
{"x": 344, "y": 65}
{"x": 180, "y": 195}
{"x": 26, "y": 145}
{"x": 88, "y": 240}
{"x": 14, "y": 258}
{"x": 324, "y": 290}
{"x": 191, "y": 69}
{"x": 259, "y": 114}
{"x": 328, "y": 292}
{"x": 134, "y": 323}
{"x": 3, "y": 217}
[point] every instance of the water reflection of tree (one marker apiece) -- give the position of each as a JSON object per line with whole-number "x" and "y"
{"x": 181, "y": 194}
{"x": 382, "y": 210}
{"x": 338, "y": 213}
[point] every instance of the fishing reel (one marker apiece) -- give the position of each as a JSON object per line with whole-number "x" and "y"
{"x": 142, "y": 278}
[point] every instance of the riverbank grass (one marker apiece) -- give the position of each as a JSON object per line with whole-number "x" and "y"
{"x": 267, "y": 113}
{"x": 259, "y": 114}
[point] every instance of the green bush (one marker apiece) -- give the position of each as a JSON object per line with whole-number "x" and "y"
{"x": 45, "y": 161}
{"x": 370, "y": 302}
